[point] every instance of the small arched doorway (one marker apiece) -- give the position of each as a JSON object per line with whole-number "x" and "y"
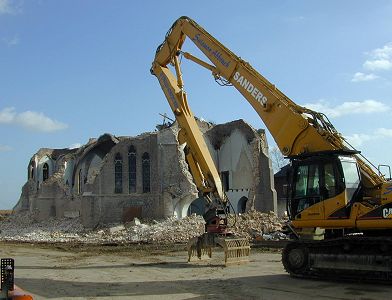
{"x": 197, "y": 207}
{"x": 241, "y": 206}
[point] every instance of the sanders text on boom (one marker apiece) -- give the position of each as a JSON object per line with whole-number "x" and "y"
{"x": 250, "y": 88}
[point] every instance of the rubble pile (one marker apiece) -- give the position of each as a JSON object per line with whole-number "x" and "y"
{"x": 166, "y": 231}
{"x": 4, "y": 214}
{"x": 257, "y": 225}
{"x": 170, "y": 230}
{"x": 22, "y": 227}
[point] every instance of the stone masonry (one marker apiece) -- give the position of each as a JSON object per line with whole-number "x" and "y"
{"x": 115, "y": 179}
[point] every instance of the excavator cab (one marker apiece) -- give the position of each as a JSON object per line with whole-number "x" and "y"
{"x": 322, "y": 185}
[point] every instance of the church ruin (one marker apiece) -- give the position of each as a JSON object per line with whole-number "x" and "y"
{"x": 114, "y": 179}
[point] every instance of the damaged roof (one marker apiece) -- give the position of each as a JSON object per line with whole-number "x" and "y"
{"x": 219, "y": 133}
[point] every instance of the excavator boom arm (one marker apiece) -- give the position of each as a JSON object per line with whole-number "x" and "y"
{"x": 199, "y": 159}
{"x": 295, "y": 129}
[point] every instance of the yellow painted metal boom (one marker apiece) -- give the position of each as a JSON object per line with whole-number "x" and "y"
{"x": 296, "y": 129}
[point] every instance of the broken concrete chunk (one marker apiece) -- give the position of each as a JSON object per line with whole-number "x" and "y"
{"x": 116, "y": 229}
{"x": 136, "y": 221}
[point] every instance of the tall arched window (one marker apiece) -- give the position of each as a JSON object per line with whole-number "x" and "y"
{"x": 45, "y": 172}
{"x": 118, "y": 173}
{"x": 132, "y": 169}
{"x": 80, "y": 181}
{"x": 146, "y": 172}
{"x": 31, "y": 170}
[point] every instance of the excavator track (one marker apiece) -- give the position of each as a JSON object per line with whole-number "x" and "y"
{"x": 351, "y": 258}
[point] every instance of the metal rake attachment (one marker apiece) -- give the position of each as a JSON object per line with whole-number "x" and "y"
{"x": 237, "y": 250}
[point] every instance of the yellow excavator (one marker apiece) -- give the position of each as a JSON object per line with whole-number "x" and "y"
{"x": 340, "y": 206}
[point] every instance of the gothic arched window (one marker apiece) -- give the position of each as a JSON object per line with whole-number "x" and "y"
{"x": 31, "y": 170}
{"x": 132, "y": 169}
{"x": 80, "y": 181}
{"x": 118, "y": 173}
{"x": 146, "y": 172}
{"x": 45, "y": 172}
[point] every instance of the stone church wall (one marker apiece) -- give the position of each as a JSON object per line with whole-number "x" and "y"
{"x": 93, "y": 181}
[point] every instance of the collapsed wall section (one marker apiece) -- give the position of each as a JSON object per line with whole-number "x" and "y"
{"x": 177, "y": 186}
{"x": 45, "y": 192}
{"x": 241, "y": 155}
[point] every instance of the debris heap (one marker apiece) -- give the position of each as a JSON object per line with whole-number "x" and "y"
{"x": 257, "y": 225}
{"x": 21, "y": 227}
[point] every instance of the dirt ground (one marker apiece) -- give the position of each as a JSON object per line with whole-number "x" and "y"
{"x": 147, "y": 272}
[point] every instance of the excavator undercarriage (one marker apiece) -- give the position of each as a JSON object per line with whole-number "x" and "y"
{"x": 353, "y": 258}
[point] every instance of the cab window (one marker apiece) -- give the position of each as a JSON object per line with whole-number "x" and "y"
{"x": 315, "y": 182}
{"x": 330, "y": 187}
{"x": 307, "y": 187}
{"x": 307, "y": 181}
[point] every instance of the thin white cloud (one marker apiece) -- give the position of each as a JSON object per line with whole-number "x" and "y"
{"x": 358, "y": 139}
{"x": 384, "y": 132}
{"x": 380, "y": 59}
{"x": 363, "y": 77}
{"x": 7, "y": 115}
{"x": 348, "y": 108}
{"x": 35, "y": 121}
{"x": 9, "y": 7}
{"x": 5, "y": 7}
{"x": 5, "y": 148}
{"x": 11, "y": 41}
{"x": 377, "y": 64}
{"x": 294, "y": 19}
{"x": 75, "y": 145}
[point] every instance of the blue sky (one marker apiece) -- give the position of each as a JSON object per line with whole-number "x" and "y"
{"x": 71, "y": 70}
